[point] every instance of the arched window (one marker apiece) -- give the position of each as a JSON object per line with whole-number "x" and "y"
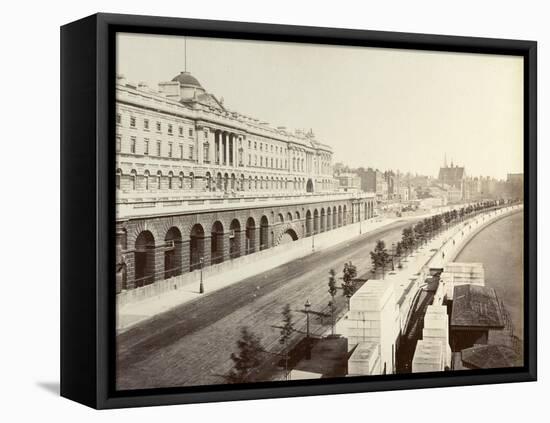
{"x": 133, "y": 179}
{"x": 170, "y": 177}
{"x": 191, "y": 180}
{"x": 181, "y": 180}
{"x": 146, "y": 175}
{"x": 159, "y": 180}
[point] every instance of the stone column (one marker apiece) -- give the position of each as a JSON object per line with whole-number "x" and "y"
{"x": 199, "y": 136}
{"x": 185, "y": 255}
{"x": 242, "y": 242}
{"x": 207, "y": 252}
{"x": 225, "y": 247}
{"x": 216, "y": 147}
{"x": 226, "y": 149}
{"x": 159, "y": 264}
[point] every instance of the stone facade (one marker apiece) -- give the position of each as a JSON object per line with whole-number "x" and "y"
{"x": 198, "y": 184}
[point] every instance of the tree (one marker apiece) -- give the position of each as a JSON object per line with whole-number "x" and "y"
{"x": 420, "y": 231}
{"x": 350, "y": 273}
{"x": 380, "y": 257}
{"x": 399, "y": 253}
{"x": 286, "y": 332}
{"x": 408, "y": 239}
{"x": 247, "y": 360}
{"x": 332, "y": 291}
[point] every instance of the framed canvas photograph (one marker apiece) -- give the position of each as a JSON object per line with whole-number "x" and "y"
{"x": 257, "y": 211}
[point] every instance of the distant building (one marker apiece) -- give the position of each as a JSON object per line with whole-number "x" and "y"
{"x": 452, "y": 178}
{"x": 349, "y": 181}
{"x": 404, "y": 193}
{"x": 373, "y": 180}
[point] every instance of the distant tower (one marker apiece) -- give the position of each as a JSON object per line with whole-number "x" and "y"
{"x": 445, "y": 161}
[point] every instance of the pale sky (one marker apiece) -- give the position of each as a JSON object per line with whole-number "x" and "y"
{"x": 382, "y": 108}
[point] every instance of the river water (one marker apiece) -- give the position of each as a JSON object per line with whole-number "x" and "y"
{"x": 500, "y": 248}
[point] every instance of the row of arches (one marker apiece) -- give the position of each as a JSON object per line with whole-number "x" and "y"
{"x": 149, "y": 254}
{"x": 155, "y": 256}
{"x": 326, "y": 219}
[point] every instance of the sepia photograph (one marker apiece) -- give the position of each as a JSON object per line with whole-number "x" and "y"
{"x": 290, "y": 211}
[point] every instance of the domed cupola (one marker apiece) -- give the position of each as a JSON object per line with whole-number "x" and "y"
{"x": 190, "y": 87}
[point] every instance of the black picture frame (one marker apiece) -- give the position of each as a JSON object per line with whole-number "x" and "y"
{"x": 88, "y": 197}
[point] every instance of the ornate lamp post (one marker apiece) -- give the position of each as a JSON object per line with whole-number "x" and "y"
{"x": 201, "y": 286}
{"x": 307, "y": 306}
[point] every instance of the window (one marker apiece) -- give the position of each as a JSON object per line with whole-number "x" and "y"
{"x": 206, "y": 133}
{"x": 132, "y": 122}
{"x": 255, "y": 145}
{"x": 181, "y": 151}
{"x": 158, "y": 148}
{"x": 133, "y": 145}
{"x": 118, "y": 119}
{"x": 159, "y": 179}
{"x": 180, "y": 131}
{"x": 205, "y": 152}
{"x": 170, "y": 128}
{"x": 272, "y": 162}
{"x": 249, "y": 144}
{"x": 190, "y": 132}
{"x": 255, "y": 160}
{"x": 118, "y": 176}
{"x": 191, "y": 180}
{"x": 146, "y": 124}
{"x": 170, "y": 148}
{"x": 118, "y": 143}
{"x": 146, "y": 147}
{"x": 158, "y": 126}
{"x": 190, "y": 152}
{"x": 249, "y": 160}
{"x": 170, "y": 175}
{"x": 261, "y": 147}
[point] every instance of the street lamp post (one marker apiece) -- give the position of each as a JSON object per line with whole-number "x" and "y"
{"x": 392, "y": 256}
{"x": 307, "y": 306}
{"x": 201, "y": 286}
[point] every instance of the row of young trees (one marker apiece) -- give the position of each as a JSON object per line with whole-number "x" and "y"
{"x": 419, "y": 234}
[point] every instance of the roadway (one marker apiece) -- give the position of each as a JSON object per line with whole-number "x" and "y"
{"x": 192, "y": 343}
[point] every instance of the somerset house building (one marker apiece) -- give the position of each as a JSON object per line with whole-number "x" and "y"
{"x": 198, "y": 184}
